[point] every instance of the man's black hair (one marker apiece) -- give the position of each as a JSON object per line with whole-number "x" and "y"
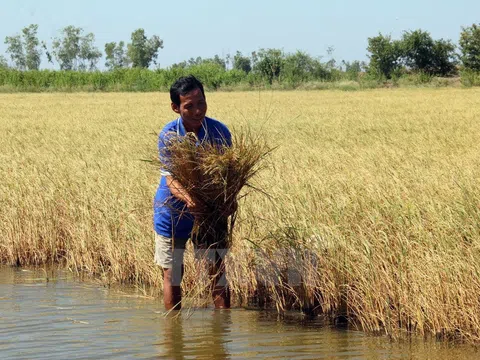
{"x": 183, "y": 86}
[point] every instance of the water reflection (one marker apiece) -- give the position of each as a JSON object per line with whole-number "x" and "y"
{"x": 173, "y": 345}
{"x": 209, "y": 340}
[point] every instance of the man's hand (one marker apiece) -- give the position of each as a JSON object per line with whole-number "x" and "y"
{"x": 189, "y": 202}
{"x": 179, "y": 192}
{"x": 195, "y": 208}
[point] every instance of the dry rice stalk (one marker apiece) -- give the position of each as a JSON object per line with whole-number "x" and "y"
{"x": 214, "y": 175}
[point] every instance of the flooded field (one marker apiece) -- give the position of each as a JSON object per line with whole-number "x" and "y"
{"x": 380, "y": 188}
{"x": 64, "y": 318}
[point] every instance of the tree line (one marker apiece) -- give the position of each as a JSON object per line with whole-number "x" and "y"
{"x": 75, "y": 50}
{"x": 416, "y": 52}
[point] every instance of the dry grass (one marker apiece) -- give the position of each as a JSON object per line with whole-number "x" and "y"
{"x": 375, "y": 199}
{"x": 213, "y": 175}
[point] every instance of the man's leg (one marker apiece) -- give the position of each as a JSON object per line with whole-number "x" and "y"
{"x": 172, "y": 293}
{"x": 220, "y": 290}
{"x": 216, "y": 270}
{"x": 172, "y": 263}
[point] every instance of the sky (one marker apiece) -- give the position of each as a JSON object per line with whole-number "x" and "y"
{"x": 205, "y": 28}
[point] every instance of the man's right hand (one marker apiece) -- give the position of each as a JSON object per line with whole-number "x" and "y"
{"x": 189, "y": 202}
{"x": 179, "y": 192}
{"x": 195, "y": 208}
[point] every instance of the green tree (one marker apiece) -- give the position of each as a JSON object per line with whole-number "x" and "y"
{"x": 241, "y": 62}
{"x": 16, "y": 50}
{"x": 116, "y": 55}
{"x": 269, "y": 63}
{"x": 254, "y": 58}
{"x": 445, "y": 59}
{"x": 47, "y": 52}
{"x": 33, "y": 53}
{"x": 422, "y": 53}
{"x": 24, "y": 49}
{"x": 385, "y": 55}
{"x": 470, "y": 47}
{"x": 180, "y": 65}
{"x": 353, "y": 69}
{"x": 217, "y": 60}
{"x": 228, "y": 61}
{"x": 195, "y": 61}
{"x": 142, "y": 51}
{"x": 300, "y": 67}
{"x": 3, "y": 62}
{"x": 332, "y": 63}
{"x": 75, "y": 51}
{"x": 89, "y": 54}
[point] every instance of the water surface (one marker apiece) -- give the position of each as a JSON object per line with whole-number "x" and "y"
{"x": 64, "y": 318}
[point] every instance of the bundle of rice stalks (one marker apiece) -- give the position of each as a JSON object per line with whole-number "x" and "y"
{"x": 214, "y": 175}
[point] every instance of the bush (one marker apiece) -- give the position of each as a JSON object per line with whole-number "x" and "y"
{"x": 298, "y": 72}
{"x": 470, "y": 78}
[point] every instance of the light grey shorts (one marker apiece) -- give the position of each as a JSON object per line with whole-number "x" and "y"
{"x": 170, "y": 251}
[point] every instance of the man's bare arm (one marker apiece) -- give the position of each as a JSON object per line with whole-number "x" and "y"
{"x": 179, "y": 192}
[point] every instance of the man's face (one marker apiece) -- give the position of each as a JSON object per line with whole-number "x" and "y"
{"x": 192, "y": 109}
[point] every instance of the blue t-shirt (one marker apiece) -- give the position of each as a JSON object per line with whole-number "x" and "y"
{"x": 170, "y": 216}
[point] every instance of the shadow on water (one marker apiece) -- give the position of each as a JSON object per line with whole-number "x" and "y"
{"x": 63, "y": 318}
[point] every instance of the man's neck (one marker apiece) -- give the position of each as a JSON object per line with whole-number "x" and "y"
{"x": 191, "y": 129}
{"x": 188, "y": 129}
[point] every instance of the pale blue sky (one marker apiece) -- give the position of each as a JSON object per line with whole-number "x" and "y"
{"x": 195, "y": 28}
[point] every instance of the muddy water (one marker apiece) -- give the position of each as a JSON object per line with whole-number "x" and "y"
{"x": 67, "y": 319}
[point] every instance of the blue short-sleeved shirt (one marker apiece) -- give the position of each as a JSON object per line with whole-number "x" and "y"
{"x": 171, "y": 218}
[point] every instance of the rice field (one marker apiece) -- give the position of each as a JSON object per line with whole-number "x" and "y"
{"x": 372, "y": 212}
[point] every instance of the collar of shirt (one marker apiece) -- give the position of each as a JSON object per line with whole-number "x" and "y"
{"x": 202, "y": 134}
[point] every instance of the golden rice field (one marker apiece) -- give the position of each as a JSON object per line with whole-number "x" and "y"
{"x": 373, "y": 210}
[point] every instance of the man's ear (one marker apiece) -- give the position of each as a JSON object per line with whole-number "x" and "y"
{"x": 175, "y": 108}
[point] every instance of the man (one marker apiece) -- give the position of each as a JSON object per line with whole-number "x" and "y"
{"x": 173, "y": 205}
